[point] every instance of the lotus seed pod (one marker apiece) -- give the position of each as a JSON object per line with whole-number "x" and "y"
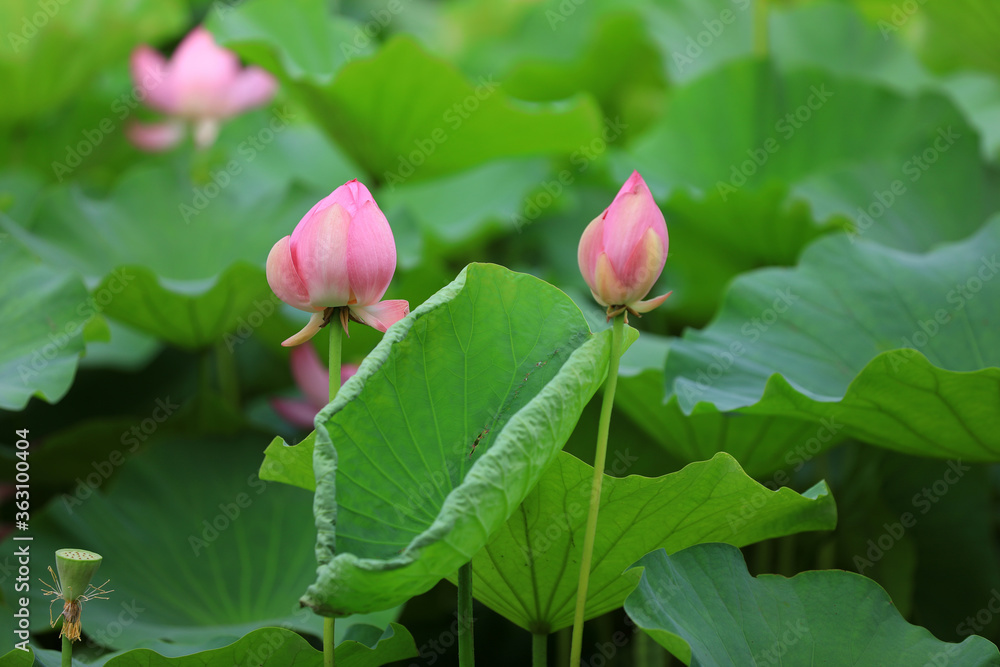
{"x": 76, "y": 568}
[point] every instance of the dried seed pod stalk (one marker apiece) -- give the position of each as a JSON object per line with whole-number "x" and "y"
{"x": 72, "y": 585}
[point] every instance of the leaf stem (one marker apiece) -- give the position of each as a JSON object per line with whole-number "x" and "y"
{"x": 328, "y": 647}
{"x": 595, "y": 490}
{"x": 466, "y": 652}
{"x": 336, "y": 355}
{"x": 760, "y": 28}
{"x": 67, "y": 652}
{"x": 539, "y": 650}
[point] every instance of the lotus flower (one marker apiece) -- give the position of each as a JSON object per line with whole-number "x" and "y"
{"x": 202, "y": 84}
{"x": 623, "y": 251}
{"x": 313, "y": 379}
{"x": 341, "y": 256}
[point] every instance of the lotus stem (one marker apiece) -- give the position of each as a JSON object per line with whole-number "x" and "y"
{"x": 466, "y": 649}
{"x": 336, "y": 355}
{"x": 539, "y": 650}
{"x": 595, "y": 490}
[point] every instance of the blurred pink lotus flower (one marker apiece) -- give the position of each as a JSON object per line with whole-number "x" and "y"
{"x": 313, "y": 379}
{"x": 340, "y": 255}
{"x": 202, "y": 84}
{"x": 623, "y": 251}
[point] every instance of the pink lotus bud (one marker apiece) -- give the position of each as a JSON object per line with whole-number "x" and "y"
{"x": 623, "y": 251}
{"x": 313, "y": 379}
{"x": 202, "y": 84}
{"x": 341, "y": 254}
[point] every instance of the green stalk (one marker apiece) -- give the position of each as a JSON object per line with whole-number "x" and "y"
{"x": 328, "y": 647}
{"x": 595, "y": 490}
{"x": 336, "y": 353}
{"x": 562, "y": 646}
{"x": 539, "y": 650}
{"x": 67, "y": 652}
{"x": 225, "y": 369}
{"x": 466, "y": 652}
{"x": 760, "y": 28}
{"x": 647, "y": 652}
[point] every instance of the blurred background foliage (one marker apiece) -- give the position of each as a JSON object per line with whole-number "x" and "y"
{"x": 489, "y": 132}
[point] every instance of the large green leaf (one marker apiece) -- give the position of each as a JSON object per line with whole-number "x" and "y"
{"x": 44, "y": 309}
{"x": 839, "y": 140}
{"x": 193, "y": 567}
{"x": 404, "y": 113}
{"x": 836, "y": 37}
{"x": 455, "y": 209}
{"x": 761, "y": 443}
{"x": 723, "y": 236}
{"x": 443, "y": 432}
{"x": 277, "y": 647}
{"x": 49, "y": 51}
{"x": 17, "y": 658}
{"x": 958, "y": 36}
{"x": 180, "y": 260}
{"x": 784, "y": 173}
{"x": 618, "y": 66}
{"x": 530, "y": 569}
{"x": 705, "y": 608}
{"x": 289, "y": 464}
{"x": 299, "y": 40}
{"x": 900, "y": 348}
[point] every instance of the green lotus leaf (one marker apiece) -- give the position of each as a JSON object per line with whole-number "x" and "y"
{"x": 704, "y": 607}
{"x": 193, "y": 568}
{"x": 402, "y": 113}
{"x": 896, "y": 349}
{"x": 278, "y": 647}
{"x": 46, "y": 309}
{"x": 445, "y": 429}
{"x": 530, "y": 569}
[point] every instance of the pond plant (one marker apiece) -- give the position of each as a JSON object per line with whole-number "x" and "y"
{"x": 431, "y": 333}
